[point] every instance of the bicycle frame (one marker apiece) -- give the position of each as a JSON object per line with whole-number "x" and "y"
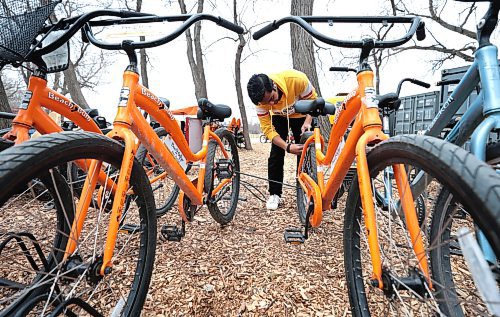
{"x": 130, "y": 126}
{"x": 31, "y": 113}
{"x": 482, "y": 117}
{"x": 367, "y": 129}
{"x": 484, "y": 114}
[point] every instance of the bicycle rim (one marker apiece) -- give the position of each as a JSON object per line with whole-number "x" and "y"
{"x": 308, "y": 167}
{"x": 164, "y": 188}
{"x": 222, "y": 207}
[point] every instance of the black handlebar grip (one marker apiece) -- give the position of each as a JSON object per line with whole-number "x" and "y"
{"x": 448, "y": 82}
{"x": 341, "y": 69}
{"x": 420, "y": 83}
{"x": 230, "y": 26}
{"x": 265, "y": 30}
{"x": 421, "y": 31}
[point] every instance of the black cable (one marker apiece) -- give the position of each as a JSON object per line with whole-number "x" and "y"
{"x": 265, "y": 179}
{"x": 246, "y": 184}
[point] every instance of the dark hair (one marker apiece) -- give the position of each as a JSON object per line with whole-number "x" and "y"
{"x": 257, "y": 86}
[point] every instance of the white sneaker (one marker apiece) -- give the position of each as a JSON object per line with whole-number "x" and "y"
{"x": 273, "y": 202}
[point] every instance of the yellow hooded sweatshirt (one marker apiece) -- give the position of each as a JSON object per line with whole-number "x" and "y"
{"x": 295, "y": 86}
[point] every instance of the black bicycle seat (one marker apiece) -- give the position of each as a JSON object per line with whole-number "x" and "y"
{"x": 389, "y": 101}
{"x": 314, "y": 108}
{"x": 209, "y": 110}
{"x": 165, "y": 101}
{"x": 92, "y": 112}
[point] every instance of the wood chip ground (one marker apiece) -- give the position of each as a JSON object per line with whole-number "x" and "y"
{"x": 246, "y": 268}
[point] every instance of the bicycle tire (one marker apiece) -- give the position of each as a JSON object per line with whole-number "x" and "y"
{"x": 167, "y": 191}
{"x": 212, "y": 180}
{"x": 309, "y": 167}
{"x": 325, "y": 128}
{"x": 27, "y": 161}
{"x": 455, "y": 287}
{"x": 471, "y": 181}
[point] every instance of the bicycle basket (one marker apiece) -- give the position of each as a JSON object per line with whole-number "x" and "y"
{"x": 20, "y": 23}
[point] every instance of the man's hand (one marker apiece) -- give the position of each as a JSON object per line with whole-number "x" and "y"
{"x": 306, "y": 127}
{"x": 307, "y": 124}
{"x": 296, "y": 149}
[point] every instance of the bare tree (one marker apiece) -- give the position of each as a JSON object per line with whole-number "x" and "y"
{"x": 4, "y": 106}
{"x": 303, "y": 55}
{"x": 302, "y": 44}
{"x": 237, "y": 78}
{"x": 463, "y": 47}
{"x": 195, "y": 54}
{"x": 381, "y": 56}
{"x": 84, "y": 68}
{"x": 143, "y": 56}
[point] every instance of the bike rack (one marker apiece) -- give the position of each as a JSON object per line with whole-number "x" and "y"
{"x": 21, "y": 239}
{"x": 61, "y": 308}
{"x": 18, "y": 237}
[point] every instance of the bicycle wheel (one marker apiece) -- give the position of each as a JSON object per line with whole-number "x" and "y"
{"x": 455, "y": 285}
{"x": 308, "y": 167}
{"x": 405, "y": 291}
{"x": 219, "y": 168}
{"x": 37, "y": 273}
{"x": 325, "y": 128}
{"x": 164, "y": 189}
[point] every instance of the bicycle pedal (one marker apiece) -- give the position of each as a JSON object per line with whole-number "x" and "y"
{"x": 224, "y": 168}
{"x": 130, "y": 228}
{"x": 172, "y": 233}
{"x": 294, "y": 236}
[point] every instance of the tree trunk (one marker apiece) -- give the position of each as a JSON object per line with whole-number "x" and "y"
{"x": 75, "y": 91}
{"x": 237, "y": 81}
{"x": 143, "y": 56}
{"x": 303, "y": 54}
{"x": 4, "y": 106}
{"x": 195, "y": 54}
{"x": 302, "y": 44}
{"x": 144, "y": 65}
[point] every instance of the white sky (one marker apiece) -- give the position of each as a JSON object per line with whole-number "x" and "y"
{"x": 170, "y": 75}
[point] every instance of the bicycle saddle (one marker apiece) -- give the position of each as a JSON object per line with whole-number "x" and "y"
{"x": 92, "y": 112}
{"x": 209, "y": 110}
{"x": 314, "y": 108}
{"x": 165, "y": 101}
{"x": 389, "y": 101}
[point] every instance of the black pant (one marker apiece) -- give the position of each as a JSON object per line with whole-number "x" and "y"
{"x": 277, "y": 156}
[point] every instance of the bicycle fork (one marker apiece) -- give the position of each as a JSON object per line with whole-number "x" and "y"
{"x": 120, "y": 193}
{"x": 365, "y": 187}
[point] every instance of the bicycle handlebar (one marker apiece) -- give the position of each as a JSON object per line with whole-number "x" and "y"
{"x": 7, "y": 115}
{"x": 342, "y": 69}
{"x": 187, "y": 19}
{"x": 303, "y": 21}
{"x": 448, "y": 82}
{"x": 77, "y": 23}
{"x": 413, "y": 81}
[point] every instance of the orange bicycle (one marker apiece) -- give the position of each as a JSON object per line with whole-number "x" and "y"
{"x": 385, "y": 250}
{"x": 95, "y": 252}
